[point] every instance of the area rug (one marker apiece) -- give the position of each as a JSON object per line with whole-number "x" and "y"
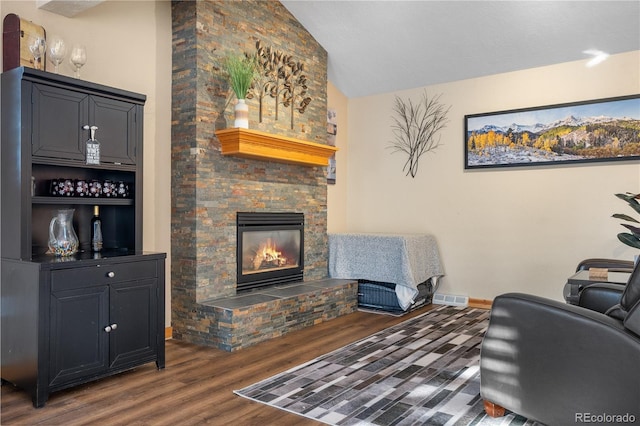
{"x": 423, "y": 371}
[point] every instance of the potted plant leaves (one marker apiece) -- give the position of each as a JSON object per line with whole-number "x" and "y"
{"x": 631, "y": 238}
{"x": 240, "y": 70}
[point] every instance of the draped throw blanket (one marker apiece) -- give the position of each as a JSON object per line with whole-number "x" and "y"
{"x": 405, "y": 260}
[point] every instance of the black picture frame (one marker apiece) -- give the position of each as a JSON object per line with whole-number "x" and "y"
{"x": 579, "y": 132}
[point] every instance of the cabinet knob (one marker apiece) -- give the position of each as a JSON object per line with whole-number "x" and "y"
{"x": 114, "y": 326}
{"x": 111, "y": 274}
{"x": 108, "y": 329}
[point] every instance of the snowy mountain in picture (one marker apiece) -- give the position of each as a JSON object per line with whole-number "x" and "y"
{"x": 569, "y": 121}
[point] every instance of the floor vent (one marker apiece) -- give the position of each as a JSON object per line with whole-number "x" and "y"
{"x": 449, "y": 299}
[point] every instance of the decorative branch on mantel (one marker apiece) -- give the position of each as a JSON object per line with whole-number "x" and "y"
{"x": 415, "y": 128}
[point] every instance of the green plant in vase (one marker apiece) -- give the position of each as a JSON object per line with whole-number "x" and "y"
{"x": 240, "y": 70}
{"x": 632, "y": 238}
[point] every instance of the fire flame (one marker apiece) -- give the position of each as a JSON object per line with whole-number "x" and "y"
{"x": 270, "y": 251}
{"x": 268, "y": 254}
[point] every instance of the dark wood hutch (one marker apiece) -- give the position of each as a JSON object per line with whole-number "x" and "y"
{"x": 72, "y": 319}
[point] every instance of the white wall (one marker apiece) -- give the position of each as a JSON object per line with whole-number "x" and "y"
{"x": 337, "y": 193}
{"x": 499, "y": 230}
{"x": 129, "y": 47}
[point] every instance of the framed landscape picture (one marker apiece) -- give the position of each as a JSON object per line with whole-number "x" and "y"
{"x": 599, "y": 130}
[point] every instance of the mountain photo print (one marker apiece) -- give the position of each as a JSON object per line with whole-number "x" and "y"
{"x": 600, "y": 130}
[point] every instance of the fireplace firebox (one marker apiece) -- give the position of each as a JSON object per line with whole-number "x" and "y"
{"x": 270, "y": 249}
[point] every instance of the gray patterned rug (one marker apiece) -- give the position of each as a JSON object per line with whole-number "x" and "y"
{"x": 423, "y": 371}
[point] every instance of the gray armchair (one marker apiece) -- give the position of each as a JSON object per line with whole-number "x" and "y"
{"x": 600, "y": 297}
{"x": 559, "y": 364}
{"x": 573, "y": 291}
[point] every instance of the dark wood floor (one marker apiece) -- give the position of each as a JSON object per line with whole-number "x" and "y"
{"x": 196, "y": 387}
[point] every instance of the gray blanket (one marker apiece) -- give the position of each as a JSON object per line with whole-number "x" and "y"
{"x": 402, "y": 259}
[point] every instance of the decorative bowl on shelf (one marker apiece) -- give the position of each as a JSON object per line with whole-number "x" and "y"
{"x": 95, "y": 188}
{"x": 81, "y": 188}
{"x": 62, "y": 187}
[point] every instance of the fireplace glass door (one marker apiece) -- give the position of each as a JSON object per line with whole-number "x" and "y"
{"x": 264, "y": 251}
{"x": 270, "y": 249}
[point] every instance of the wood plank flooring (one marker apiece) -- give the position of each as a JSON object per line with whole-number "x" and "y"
{"x": 196, "y": 387}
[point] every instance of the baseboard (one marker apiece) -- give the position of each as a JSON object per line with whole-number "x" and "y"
{"x": 480, "y": 303}
{"x": 168, "y": 333}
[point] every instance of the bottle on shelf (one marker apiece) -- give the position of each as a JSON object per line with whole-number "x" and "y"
{"x": 93, "y": 146}
{"x": 96, "y": 230}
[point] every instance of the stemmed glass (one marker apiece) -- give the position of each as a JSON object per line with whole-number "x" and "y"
{"x": 78, "y": 58}
{"x": 37, "y": 47}
{"x": 57, "y": 51}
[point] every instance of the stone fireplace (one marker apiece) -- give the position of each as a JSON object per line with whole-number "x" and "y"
{"x": 209, "y": 188}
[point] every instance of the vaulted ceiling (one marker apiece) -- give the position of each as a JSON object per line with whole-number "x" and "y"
{"x": 385, "y": 46}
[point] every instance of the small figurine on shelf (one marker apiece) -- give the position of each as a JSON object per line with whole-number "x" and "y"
{"x": 96, "y": 230}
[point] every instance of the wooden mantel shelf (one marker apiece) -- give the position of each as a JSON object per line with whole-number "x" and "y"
{"x": 260, "y": 145}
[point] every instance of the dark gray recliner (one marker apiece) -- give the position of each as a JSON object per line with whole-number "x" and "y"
{"x": 562, "y": 364}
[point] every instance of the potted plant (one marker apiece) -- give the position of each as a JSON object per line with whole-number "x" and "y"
{"x": 631, "y": 239}
{"x": 240, "y": 70}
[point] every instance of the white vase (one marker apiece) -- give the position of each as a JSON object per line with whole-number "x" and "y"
{"x": 242, "y": 115}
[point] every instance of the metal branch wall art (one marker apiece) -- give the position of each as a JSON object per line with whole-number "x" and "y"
{"x": 415, "y": 128}
{"x": 282, "y": 79}
{"x": 294, "y": 95}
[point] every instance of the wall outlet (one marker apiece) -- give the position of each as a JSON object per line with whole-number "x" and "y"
{"x": 449, "y": 299}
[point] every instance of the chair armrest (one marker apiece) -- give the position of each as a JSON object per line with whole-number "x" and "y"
{"x": 613, "y": 265}
{"x": 547, "y": 360}
{"x": 600, "y": 297}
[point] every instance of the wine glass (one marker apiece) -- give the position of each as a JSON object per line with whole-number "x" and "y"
{"x": 57, "y": 51}
{"x": 37, "y": 47}
{"x": 78, "y": 58}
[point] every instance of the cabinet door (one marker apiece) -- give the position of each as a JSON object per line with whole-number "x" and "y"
{"x": 134, "y": 311}
{"x": 58, "y": 116}
{"x": 117, "y": 129}
{"x": 78, "y": 340}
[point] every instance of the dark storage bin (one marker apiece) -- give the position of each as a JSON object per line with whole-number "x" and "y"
{"x": 382, "y": 296}
{"x": 378, "y": 295}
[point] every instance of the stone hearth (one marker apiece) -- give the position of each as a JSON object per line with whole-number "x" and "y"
{"x": 250, "y": 318}
{"x": 209, "y": 188}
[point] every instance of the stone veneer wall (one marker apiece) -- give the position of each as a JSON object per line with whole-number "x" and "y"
{"x": 207, "y": 188}
{"x": 242, "y": 326}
